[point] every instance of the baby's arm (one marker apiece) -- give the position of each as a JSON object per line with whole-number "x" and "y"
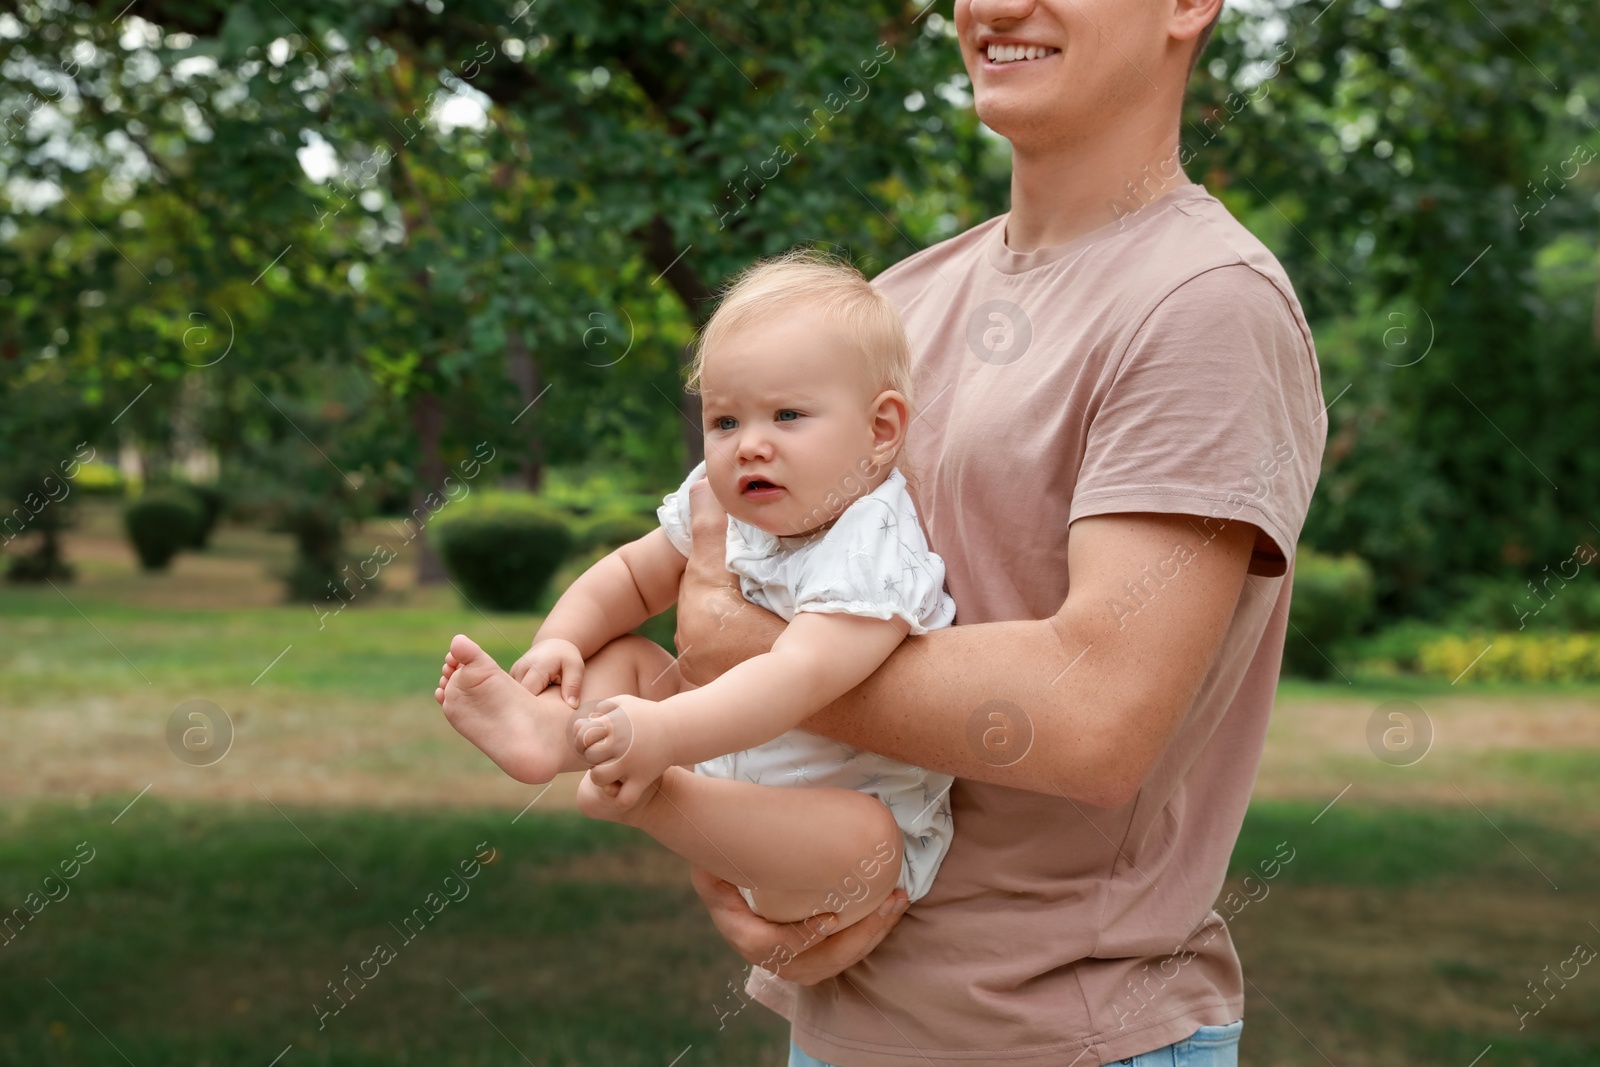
{"x": 636, "y": 582}
{"x": 818, "y": 658}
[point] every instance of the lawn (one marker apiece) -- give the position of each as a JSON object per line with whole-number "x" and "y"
{"x": 222, "y": 903}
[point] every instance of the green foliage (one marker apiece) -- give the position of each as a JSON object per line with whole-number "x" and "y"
{"x": 161, "y": 523}
{"x": 502, "y": 548}
{"x": 612, "y": 528}
{"x": 1333, "y": 597}
{"x": 214, "y": 503}
{"x": 1426, "y": 173}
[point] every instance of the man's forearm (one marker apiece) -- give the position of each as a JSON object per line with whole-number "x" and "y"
{"x": 1001, "y": 702}
{"x": 964, "y": 700}
{"x": 754, "y": 702}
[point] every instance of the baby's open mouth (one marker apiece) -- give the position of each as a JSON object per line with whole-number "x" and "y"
{"x": 757, "y": 486}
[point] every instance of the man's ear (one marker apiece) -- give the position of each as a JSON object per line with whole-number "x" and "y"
{"x": 1191, "y": 17}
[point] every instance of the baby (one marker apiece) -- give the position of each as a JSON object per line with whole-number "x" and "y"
{"x": 803, "y": 373}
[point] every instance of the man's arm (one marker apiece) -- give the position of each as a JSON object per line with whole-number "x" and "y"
{"x": 1101, "y": 686}
{"x": 816, "y": 658}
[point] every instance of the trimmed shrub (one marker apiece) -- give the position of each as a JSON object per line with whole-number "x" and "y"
{"x": 502, "y": 548}
{"x": 215, "y": 502}
{"x": 612, "y": 529}
{"x": 1333, "y": 597}
{"x": 161, "y": 523}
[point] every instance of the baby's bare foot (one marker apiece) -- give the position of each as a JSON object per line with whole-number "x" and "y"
{"x": 529, "y": 737}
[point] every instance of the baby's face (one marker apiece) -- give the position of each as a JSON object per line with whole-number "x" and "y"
{"x": 788, "y": 420}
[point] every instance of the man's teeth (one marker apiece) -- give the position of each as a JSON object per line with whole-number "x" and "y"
{"x": 1010, "y": 53}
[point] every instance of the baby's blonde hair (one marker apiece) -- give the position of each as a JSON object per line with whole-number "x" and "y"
{"x": 832, "y": 287}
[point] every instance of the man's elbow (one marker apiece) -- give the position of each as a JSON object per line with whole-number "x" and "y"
{"x": 1109, "y": 769}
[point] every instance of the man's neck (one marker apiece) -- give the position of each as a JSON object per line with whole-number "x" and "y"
{"x": 1062, "y": 191}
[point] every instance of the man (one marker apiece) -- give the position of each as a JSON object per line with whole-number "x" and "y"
{"x": 1120, "y": 428}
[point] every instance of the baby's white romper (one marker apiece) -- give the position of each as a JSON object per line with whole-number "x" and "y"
{"x": 873, "y": 561}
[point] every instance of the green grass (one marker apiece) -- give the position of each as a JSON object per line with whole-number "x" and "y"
{"x": 207, "y": 933}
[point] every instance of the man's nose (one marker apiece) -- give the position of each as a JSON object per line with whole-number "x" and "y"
{"x": 990, "y": 12}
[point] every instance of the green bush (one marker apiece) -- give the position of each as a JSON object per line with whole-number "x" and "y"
{"x": 1548, "y": 604}
{"x": 161, "y": 523}
{"x": 215, "y": 502}
{"x": 612, "y": 528}
{"x": 502, "y": 548}
{"x": 1333, "y": 597}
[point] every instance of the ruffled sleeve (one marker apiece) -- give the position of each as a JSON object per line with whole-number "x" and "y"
{"x": 875, "y": 562}
{"x": 674, "y": 511}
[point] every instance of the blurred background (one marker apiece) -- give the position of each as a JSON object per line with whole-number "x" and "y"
{"x": 330, "y": 330}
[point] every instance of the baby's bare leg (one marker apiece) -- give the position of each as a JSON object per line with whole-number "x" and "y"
{"x": 800, "y": 851}
{"x": 631, "y": 665}
{"x": 529, "y": 736}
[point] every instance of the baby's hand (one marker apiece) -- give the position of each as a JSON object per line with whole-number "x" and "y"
{"x": 551, "y": 661}
{"x": 626, "y": 743}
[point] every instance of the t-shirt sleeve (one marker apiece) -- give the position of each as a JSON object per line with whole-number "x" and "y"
{"x": 674, "y": 511}
{"x": 1214, "y": 410}
{"x": 876, "y": 563}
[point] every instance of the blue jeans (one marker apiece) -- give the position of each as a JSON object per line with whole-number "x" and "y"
{"x": 1209, "y": 1046}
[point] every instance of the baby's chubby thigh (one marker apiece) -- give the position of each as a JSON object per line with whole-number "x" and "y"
{"x": 860, "y": 845}
{"x": 634, "y": 666}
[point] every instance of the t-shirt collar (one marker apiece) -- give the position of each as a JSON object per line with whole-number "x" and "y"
{"x": 1007, "y": 261}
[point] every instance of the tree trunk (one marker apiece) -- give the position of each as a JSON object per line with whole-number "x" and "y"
{"x": 523, "y": 370}
{"x": 427, "y": 422}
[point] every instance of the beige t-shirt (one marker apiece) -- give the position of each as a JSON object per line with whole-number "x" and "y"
{"x": 1160, "y": 363}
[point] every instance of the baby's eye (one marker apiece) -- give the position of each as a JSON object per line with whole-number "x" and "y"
{"x": 725, "y": 422}
{"x": 783, "y": 416}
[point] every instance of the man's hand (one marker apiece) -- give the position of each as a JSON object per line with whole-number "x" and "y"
{"x": 708, "y": 589}
{"x": 709, "y": 597}
{"x": 627, "y": 744}
{"x": 796, "y": 951}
